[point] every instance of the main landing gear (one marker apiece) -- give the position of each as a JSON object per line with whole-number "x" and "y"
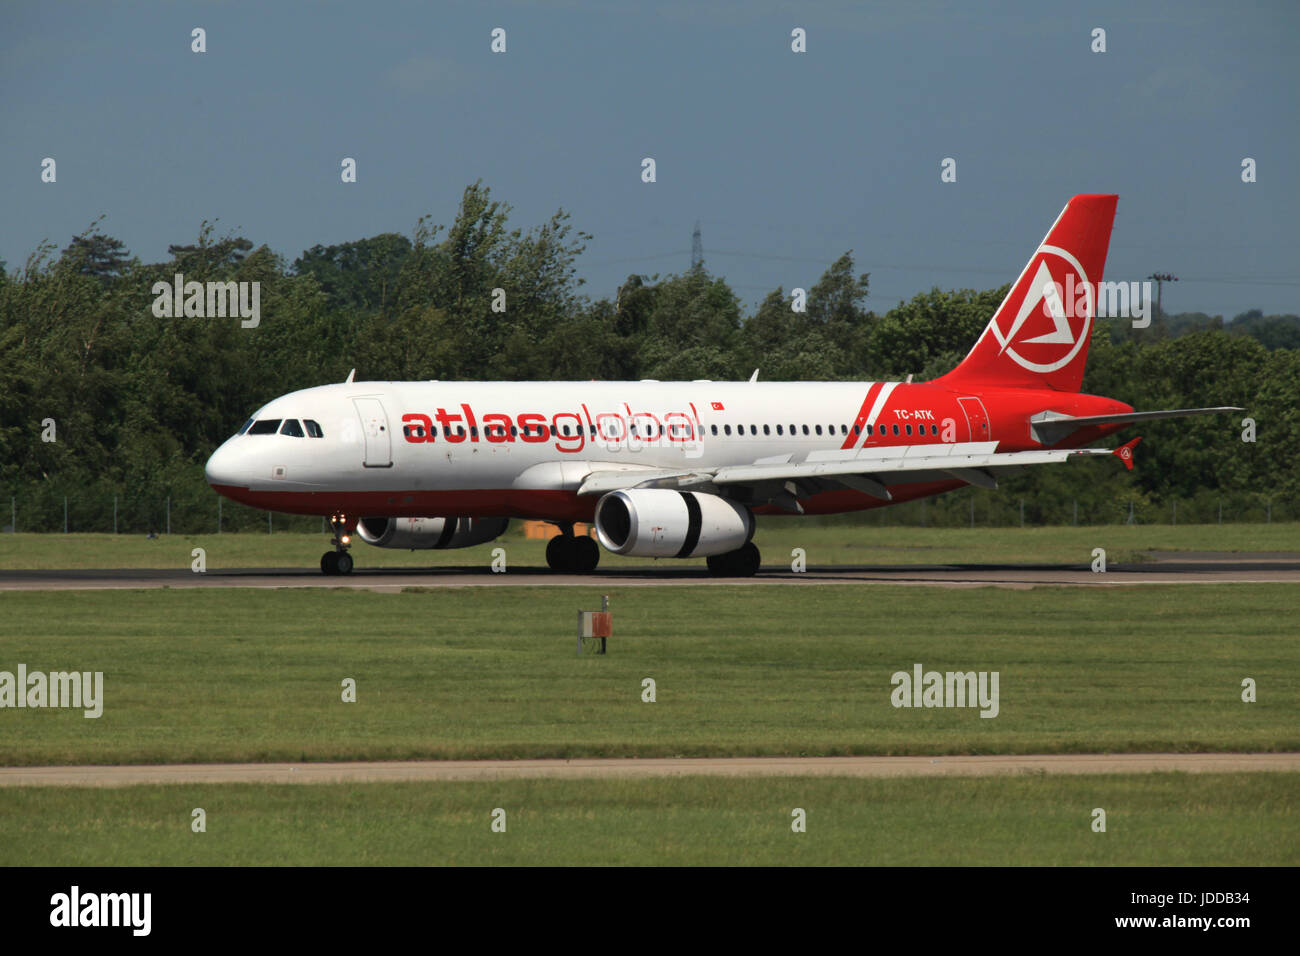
{"x": 741, "y": 563}
{"x": 338, "y": 561}
{"x": 567, "y": 552}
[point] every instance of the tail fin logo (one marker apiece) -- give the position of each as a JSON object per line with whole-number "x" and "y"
{"x": 1052, "y": 322}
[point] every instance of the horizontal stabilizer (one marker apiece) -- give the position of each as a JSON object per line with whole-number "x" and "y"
{"x": 1050, "y": 427}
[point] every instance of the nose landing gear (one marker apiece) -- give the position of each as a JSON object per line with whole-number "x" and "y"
{"x": 338, "y": 561}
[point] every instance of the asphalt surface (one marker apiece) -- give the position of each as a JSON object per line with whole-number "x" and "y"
{"x": 448, "y": 770}
{"x": 1161, "y": 568}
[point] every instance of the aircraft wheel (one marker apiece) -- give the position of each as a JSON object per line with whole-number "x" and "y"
{"x": 343, "y": 563}
{"x": 562, "y": 553}
{"x": 586, "y": 553}
{"x": 741, "y": 563}
{"x": 329, "y": 563}
{"x": 748, "y": 560}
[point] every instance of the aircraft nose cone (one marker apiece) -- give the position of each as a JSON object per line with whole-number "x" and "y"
{"x": 222, "y": 468}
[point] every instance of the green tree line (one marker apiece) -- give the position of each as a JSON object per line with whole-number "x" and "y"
{"x": 138, "y": 402}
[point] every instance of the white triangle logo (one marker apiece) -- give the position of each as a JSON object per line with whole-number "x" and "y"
{"x": 1042, "y": 289}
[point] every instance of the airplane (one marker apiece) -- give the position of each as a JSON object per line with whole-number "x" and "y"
{"x": 682, "y": 469}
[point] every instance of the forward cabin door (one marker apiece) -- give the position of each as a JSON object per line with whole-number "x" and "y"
{"x": 374, "y": 431}
{"x": 977, "y": 418}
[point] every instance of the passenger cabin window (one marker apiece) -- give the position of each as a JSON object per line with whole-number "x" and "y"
{"x": 895, "y": 429}
{"x": 805, "y": 429}
{"x": 713, "y": 429}
{"x": 819, "y": 429}
{"x": 313, "y": 428}
{"x": 267, "y": 426}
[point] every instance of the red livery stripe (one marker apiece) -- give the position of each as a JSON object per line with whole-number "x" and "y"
{"x": 852, "y": 437}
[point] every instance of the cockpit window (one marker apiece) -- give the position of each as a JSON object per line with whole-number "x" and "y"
{"x": 267, "y": 426}
{"x": 245, "y": 428}
{"x": 292, "y": 428}
{"x": 313, "y": 428}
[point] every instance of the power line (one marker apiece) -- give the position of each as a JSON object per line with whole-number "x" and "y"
{"x": 676, "y": 253}
{"x": 1160, "y": 278}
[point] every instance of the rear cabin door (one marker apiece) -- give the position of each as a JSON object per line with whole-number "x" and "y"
{"x": 977, "y": 418}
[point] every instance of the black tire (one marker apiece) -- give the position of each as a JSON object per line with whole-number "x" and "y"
{"x": 741, "y": 563}
{"x": 343, "y": 563}
{"x": 562, "y": 553}
{"x": 586, "y": 554}
{"x": 748, "y": 560}
{"x": 329, "y": 563}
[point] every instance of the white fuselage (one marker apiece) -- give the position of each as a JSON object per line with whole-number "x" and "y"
{"x": 521, "y": 449}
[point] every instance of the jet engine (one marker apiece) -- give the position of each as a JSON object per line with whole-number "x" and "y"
{"x": 422, "y": 534}
{"x": 659, "y": 523}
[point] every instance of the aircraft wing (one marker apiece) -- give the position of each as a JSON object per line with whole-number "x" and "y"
{"x": 869, "y": 470}
{"x": 603, "y": 482}
{"x": 976, "y": 468}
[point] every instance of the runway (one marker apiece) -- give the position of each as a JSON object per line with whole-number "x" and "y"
{"x": 1158, "y": 568}
{"x": 619, "y": 768}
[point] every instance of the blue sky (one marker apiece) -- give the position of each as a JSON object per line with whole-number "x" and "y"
{"x": 785, "y": 159}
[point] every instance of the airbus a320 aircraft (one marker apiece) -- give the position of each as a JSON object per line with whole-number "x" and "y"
{"x": 681, "y": 469}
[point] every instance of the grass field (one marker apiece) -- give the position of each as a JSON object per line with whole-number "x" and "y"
{"x": 777, "y": 537}
{"x": 230, "y": 674}
{"x": 1151, "y": 820}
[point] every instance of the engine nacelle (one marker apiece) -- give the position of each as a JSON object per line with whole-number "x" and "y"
{"x": 423, "y": 534}
{"x": 659, "y": 523}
